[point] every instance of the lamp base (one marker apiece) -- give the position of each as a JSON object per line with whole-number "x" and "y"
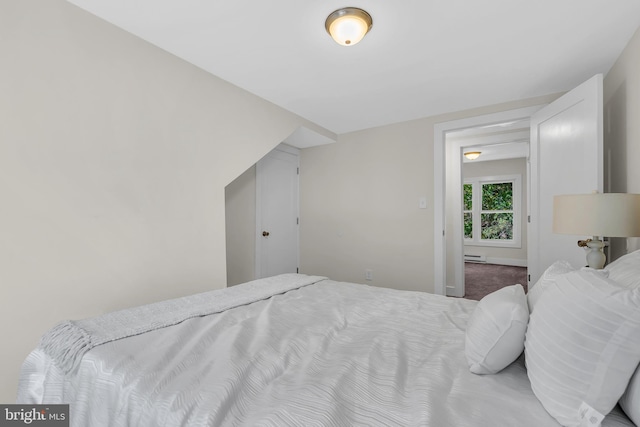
{"x": 596, "y": 257}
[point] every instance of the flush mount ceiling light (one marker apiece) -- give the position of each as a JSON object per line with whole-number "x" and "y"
{"x": 347, "y": 26}
{"x": 472, "y": 155}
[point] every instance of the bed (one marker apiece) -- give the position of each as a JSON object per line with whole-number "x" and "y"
{"x": 289, "y": 350}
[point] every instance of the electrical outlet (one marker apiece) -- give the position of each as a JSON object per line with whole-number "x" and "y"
{"x": 368, "y": 274}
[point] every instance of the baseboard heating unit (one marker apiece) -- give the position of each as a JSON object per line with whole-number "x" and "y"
{"x": 475, "y": 258}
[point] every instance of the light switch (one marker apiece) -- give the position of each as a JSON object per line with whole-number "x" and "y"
{"x": 422, "y": 203}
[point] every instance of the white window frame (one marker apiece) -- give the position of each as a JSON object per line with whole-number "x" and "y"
{"x": 476, "y": 202}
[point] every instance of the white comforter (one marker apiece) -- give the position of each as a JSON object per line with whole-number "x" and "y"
{"x": 326, "y": 354}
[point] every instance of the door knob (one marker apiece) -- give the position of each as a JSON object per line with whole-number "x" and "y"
{"x": 265, "y": 234}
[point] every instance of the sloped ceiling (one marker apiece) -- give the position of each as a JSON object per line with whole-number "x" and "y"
{"x": 420, "y": 59}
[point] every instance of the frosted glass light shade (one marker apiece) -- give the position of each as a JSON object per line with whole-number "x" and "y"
{"x": 598, "y": 214}
{"x": 472, "y": 155}
{"x": 348, "y": 26}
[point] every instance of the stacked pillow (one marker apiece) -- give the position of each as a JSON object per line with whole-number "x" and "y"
{"x": 582, "y": 343}
{"x": 631, "y": 395}
{"x": 556, "y": 269}
{"x": 582, "y": 346}
{"x": 495, "y": 332}
{"x": 626, "y": 271}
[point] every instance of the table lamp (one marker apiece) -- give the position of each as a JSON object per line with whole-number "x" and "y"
{"x": 599, "y": 215}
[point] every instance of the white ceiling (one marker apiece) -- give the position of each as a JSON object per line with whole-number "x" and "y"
{"x": 495, "y": 142}
{"x": 503, "y": 151}
{"x": 421, "y": 58}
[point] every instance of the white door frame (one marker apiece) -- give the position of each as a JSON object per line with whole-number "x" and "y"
{"x": 258, "y": 248}
{"x": 440, "y": 175}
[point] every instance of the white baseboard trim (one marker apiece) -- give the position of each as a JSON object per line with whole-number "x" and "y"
{"x": 507, "y": 261}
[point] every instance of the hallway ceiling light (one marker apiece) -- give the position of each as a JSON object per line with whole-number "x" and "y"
{"x": 349, "y": 25}
{"x": 472, "y": 155}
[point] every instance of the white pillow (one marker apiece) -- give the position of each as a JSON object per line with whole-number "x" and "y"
{"x": 626, "y": 270}
{"x": 556, "y": 269}
{"x": 582, "y": 346}
{"x": 495, "y": 331}
{"x": 630, "y": 400}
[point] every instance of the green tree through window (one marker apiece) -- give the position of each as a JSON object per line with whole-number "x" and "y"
{"x": 497, "y": 211}
{"x": 490, "y": 209}
{"x": 468, "y": 214}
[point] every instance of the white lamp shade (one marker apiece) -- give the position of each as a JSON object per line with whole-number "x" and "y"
{"x": 597, "y": 214}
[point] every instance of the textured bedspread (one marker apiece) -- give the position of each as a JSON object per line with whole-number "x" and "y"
{"x": 327, "y": 354}
{"x": 67, "y": 342}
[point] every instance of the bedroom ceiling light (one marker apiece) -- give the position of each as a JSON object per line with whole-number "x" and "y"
{"x": 472, "y": 155}
{"x": 599, "y": 215}
{"x": 349, "y": 25}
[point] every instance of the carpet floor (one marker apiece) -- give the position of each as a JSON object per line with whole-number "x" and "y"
{"x": 482, "y": 279}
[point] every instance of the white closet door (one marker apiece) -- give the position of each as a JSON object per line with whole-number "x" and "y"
{"x": 277, "y": 213}
{"x": 566, "y": 158}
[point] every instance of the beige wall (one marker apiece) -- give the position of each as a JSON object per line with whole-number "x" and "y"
{"x": 240, "y": 196}
{"x": 359, "y": 202}
{"x": 114, "y": 156}
{"x": 622, "y": 130}
{"x": 497, "y": 168}
{"x": 363, "y": 213}
{"x": 359, "y": 206}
